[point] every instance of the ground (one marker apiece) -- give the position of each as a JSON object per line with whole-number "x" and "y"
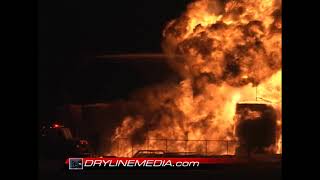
{"x": 252, "y": 170}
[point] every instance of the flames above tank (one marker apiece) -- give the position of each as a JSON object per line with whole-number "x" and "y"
{"x": 225, "y": 51}
{"x": 235, "y": 42}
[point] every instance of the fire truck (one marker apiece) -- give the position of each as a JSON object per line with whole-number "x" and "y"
{"x": 57, "y": 141}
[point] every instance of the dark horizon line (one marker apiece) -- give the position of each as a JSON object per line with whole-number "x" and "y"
{"x": 135, "y": 55}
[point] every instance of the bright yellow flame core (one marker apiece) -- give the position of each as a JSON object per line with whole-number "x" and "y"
{"x": 216, "y": 40}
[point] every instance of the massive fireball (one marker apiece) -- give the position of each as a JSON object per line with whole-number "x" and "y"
{"x": 226, "y": 51}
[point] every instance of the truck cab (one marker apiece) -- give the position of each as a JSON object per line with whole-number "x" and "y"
{"x": 57, "y": 141}
{"x": 255, "y": 127}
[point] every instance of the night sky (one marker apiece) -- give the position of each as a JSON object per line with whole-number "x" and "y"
{"x": 72, "y": 33}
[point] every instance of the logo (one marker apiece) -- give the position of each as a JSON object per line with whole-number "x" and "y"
{"x": 75, "y": 163}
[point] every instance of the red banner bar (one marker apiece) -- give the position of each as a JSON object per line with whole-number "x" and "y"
{"x": 173, "y": 160}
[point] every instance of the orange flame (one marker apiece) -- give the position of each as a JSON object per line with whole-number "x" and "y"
{"x": 229, "y": 51}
